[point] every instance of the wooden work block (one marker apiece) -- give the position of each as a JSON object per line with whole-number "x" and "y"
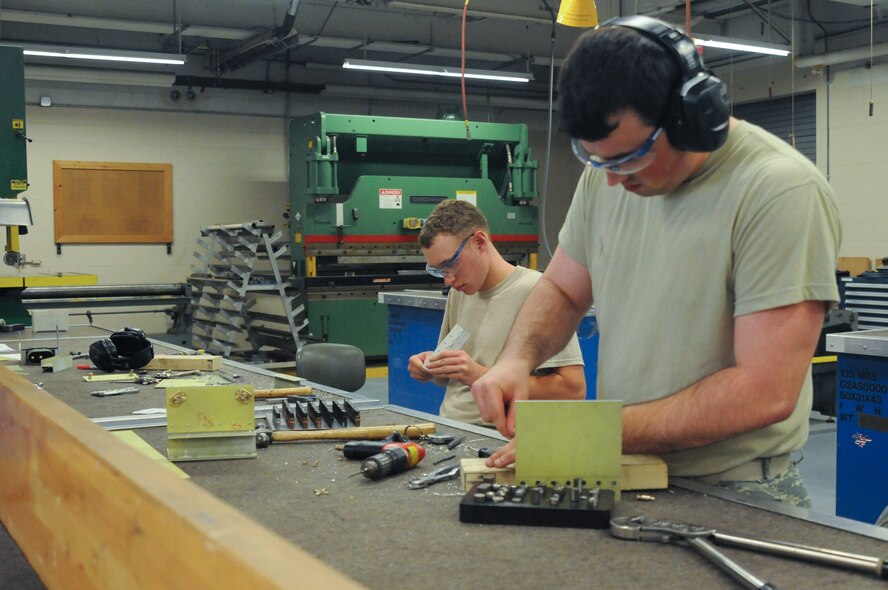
{"x": 181, "y": 362}
{"x": 640, "y": 472}
{"x": 644, "y": 472}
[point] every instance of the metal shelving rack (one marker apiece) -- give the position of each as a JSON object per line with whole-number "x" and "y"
{"x": 244, "y": 269}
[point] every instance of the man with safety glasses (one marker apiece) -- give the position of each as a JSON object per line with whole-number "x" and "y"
{"x": 708, "y": 247}
{"x": 486, "y": 294}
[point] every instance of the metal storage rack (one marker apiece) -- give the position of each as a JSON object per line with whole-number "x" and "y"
{"x": 244, "y": 270}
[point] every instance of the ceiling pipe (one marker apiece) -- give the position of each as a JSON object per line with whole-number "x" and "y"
{"x": 265, "y": 86}
{"x": 112, "y": 24}
{"x": 389, "y": 94}
{"x": 95, "y": 76}
{"x": 266, "y": 45}
{"x": 841, "y": 57}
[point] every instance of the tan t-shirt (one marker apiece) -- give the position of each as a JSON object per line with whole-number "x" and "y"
{"x": 488, "y": 317}
{"x": 754, "y": 229}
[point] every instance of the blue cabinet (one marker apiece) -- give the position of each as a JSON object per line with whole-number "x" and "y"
{"x": 862, "y": 423}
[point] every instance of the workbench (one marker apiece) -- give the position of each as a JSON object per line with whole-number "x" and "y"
{"x": 383, "y": 535}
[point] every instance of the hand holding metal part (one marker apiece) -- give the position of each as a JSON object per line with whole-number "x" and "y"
{"x": 445, "y": 473}
{"x": 665, "y": 531}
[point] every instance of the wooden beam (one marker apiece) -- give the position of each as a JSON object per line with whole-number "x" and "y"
{"x": 91, "y": 512}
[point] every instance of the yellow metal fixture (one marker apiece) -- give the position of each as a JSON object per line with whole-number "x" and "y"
{"x": 578, "y": 13}
{"x": 311, "y": 266}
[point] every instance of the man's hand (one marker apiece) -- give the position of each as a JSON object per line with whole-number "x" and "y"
{"x": 495, "y": 393}
{"x": 416, "y": 367}
{"x": 454, "y": 364}
{"x": 503, "y": 457}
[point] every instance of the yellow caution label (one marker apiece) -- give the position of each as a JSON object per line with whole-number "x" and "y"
{"x": 311, "y": 266}
{"x": 297, "y": 238}
{"x": 18, "y": 185}
{"x": 18, "y": 123}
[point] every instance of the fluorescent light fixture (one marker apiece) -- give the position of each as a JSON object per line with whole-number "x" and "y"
{"x": 445, "y": 71}
{"x": 95, "y": 54}
{"x": 738, "y": 45}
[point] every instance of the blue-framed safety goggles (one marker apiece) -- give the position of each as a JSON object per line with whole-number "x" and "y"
{"x": 628, "y": 164}
{"x": 441, "y": 271}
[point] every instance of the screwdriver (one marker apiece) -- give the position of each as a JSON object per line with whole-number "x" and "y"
{"x": 397, "y": 457}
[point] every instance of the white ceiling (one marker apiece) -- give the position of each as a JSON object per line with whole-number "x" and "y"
{"x": 221, "y": 37}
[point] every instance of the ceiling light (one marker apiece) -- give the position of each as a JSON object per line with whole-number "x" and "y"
{"x": 445, "y": 71}
{"x": 739, "y": 45}
{"x": 96, "y": 54}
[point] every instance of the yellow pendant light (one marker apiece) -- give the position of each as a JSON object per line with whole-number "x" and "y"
{"x": 578, "y": 13}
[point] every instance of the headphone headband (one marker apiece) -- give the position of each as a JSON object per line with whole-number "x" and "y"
{"x": 697, "y": 116}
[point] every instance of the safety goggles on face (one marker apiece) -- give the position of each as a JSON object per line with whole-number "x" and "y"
{"x": 443, "y": 270}
{"x": 628, "y": 164}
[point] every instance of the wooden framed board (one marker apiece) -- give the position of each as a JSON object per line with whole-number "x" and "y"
{"x": 112, "y": 202}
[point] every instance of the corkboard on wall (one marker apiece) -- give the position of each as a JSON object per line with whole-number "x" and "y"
{"x": 113, "y": 202}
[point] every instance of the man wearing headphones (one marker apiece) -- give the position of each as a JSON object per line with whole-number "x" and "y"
{"x": 708, "y": 247}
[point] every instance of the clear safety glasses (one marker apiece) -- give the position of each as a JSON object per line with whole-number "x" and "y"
{"x": 628, "y": 164}
{"x": 444, "y": 269}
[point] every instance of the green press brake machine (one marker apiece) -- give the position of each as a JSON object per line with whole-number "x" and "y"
{"x": 361, "y": 188}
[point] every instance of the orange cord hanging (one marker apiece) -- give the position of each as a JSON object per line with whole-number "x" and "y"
{"x": 463, "y": 71}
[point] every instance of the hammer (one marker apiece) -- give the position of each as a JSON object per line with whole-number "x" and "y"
{"x": 282, "y": 392}
{"x": 265, "y": 437}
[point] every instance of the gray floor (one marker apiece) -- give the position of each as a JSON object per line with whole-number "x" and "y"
{"x": 818, "y": 466}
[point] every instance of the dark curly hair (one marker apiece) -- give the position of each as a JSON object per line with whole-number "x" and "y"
{"x": 609, "y": 71}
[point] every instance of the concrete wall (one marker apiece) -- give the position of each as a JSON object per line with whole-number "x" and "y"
{"x": 226, "y": 169}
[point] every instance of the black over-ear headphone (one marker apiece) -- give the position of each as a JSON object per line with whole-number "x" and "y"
{"x": 696, "y": 119}
{"x": 125, "y": 349}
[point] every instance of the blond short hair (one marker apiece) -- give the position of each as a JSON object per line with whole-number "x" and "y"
{"x": 458, "y": 218}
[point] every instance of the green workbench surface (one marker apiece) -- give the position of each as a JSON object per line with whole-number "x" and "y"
{"x": 387, "y": 536}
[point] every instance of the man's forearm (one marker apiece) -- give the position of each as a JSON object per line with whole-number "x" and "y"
{"x": 543, "y": 327}
{"x": 720, "y": 406}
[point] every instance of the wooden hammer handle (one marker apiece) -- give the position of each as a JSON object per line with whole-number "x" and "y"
{"x": 282, "y": 392}
{"x": 356, "y": 433}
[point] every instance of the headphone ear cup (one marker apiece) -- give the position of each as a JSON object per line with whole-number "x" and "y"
{"x": 134, "y": 348}
{"x": 700, "y": 112}
{"x": 104, "y": 356}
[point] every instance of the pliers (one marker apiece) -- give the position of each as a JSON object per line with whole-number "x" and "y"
{"x": 442, "y": 474}
{"x": 638, "y": 528}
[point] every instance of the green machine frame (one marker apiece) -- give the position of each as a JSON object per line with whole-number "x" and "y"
{"x": 13, "y": 162}
{"x": 13, "y": 172}
{"x": 361, "y": 188}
